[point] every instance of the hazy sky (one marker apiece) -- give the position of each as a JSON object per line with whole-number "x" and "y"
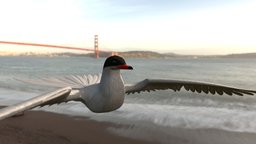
{"x": 180, "y": 26}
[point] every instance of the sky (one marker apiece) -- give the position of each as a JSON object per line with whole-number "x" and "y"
{"x": 202, "y": 27}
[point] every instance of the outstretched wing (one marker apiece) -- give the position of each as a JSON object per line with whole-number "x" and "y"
{"x": 49, "y": 98}
{"x": 74, "y": 81}
{"x": 176, "y": 85}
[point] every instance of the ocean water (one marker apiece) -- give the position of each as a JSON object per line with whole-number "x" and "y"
{"x": 160, "y": 109}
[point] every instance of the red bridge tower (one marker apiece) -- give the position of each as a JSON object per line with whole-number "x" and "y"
{"x": 96, "y": 46}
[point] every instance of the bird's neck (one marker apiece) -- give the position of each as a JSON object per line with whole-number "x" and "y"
{"x": 111, "y": 77}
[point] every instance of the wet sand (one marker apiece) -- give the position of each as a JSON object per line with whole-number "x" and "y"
{"x": 39, "y": 127}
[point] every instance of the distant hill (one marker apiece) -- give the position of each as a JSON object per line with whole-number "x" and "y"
{"x": 245, "y": 55}
{"x": 133, "y": 54}
{"x": 141, "y": 54}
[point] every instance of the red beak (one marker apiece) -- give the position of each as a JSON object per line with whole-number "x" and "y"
{"x": 125, "y": 66}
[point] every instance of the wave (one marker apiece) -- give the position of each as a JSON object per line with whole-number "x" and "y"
{"x": 182, "y": 116}
{"x": 147, "y": 115}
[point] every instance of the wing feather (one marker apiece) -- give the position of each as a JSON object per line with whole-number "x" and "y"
{"x": 176, "y": 85}
{"x": 74, "y": 81}
{"x": 49, "y": 98}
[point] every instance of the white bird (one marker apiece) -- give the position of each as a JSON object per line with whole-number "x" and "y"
{"x": 107, "y": 92}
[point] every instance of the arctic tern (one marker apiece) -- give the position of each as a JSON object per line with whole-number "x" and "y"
{"x": 106, "y": 92}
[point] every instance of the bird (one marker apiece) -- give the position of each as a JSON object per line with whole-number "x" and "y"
{"x": 106, "y": 92}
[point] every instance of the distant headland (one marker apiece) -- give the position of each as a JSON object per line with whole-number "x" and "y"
{"x": 131, "y": 54}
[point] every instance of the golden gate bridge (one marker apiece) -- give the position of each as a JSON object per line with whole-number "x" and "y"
{"x": 95, "y": 50}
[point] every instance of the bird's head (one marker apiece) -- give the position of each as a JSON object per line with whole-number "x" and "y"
{"x": 116, "y": 63}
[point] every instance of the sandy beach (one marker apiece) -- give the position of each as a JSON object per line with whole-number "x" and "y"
{"x": 39, "y": 127}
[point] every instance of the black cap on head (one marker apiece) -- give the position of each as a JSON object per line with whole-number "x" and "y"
{"x": 114, "y": 61}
